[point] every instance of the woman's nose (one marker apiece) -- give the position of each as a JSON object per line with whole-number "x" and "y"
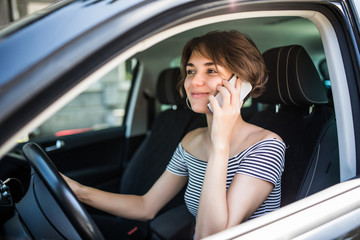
{"x": 198, "y": 79}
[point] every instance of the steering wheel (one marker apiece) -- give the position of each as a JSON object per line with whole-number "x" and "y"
{"x": 61, "y": 192}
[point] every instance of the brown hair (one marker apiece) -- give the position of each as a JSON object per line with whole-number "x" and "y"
{"x": 232, "y": 50}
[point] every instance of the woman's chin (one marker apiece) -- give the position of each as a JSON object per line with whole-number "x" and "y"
{"x": 200, "y": 109}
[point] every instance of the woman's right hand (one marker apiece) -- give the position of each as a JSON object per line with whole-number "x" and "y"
{"x": 74, "y": 185}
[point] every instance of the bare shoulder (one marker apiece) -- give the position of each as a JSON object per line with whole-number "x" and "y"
{"x": 258, "y": 133}
{"x": 251, "y": 135}
{"x": 193, "y": 141}
{"x": 191, "y": 136}
{"x": 270, "y": 135}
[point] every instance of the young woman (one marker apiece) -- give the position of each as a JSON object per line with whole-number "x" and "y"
{"x": 232, "y": 168}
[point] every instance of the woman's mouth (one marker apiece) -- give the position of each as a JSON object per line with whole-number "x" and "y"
{"x": 199, "y": 94}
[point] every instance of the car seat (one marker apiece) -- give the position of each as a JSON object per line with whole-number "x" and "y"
{"x": 298, "y": 112}
{"x": 153, "y": 155}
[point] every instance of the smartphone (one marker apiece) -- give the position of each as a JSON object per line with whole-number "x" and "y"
{"x": 245, "y": 90}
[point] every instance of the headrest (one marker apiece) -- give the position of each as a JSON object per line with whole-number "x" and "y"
{"x": 166, "y": 89}
{"x": 293, "y": 78}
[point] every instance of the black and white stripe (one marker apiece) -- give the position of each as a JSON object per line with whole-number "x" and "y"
{"x": 263, "y": 160}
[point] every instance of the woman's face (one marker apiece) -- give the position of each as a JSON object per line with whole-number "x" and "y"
{"x": 202, "y": 80}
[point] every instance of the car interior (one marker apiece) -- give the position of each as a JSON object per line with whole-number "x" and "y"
{"x": 128, "y": 157}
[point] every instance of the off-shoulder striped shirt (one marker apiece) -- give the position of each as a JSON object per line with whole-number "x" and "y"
{"x": 263, "y": 160}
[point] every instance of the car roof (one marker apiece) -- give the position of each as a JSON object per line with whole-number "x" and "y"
{"x": 31, "y": 39}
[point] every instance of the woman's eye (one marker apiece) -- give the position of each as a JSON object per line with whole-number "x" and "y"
{"x": 190, "y": 71}
{"x": 212, "y": 71}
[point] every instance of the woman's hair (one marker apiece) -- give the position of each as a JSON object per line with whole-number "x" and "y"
{"x": 232, "y": 50}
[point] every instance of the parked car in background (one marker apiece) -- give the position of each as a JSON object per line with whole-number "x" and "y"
{"x": 84, "y": 80}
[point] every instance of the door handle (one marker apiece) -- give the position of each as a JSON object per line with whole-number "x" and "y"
{"x": 58, "y": 145}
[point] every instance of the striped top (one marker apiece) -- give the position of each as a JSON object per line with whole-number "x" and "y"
{"x": 263, "y": 160}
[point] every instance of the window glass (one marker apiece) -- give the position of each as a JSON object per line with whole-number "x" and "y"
{"x": 101, "y": 106}
{"x": 12, "y": 10}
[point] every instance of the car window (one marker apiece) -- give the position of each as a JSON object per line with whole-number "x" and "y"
{"x": 14, "y": 10}
{"x": 102, "y": 105}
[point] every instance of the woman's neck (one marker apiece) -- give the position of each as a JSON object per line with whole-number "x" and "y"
{"x": 238, "y": 128}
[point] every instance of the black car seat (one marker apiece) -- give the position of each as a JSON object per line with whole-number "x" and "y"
{"x": 153, "y": 155}
{"x": 299, "y": 113}
{"x": 168, "y": 128}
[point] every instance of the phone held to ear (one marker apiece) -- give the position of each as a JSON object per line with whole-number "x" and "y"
{"x": 245, "y": 90}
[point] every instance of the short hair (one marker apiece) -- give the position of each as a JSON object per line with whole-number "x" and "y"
{"x": 232, "y": 50}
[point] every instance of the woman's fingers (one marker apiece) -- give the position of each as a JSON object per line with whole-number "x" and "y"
{"x": 225, "y": 92}
{"x": 214, "y": 103}
{"x": 230, "y": 95}
{"x": 238, "y": 85}
{"x": 234, "y": 90}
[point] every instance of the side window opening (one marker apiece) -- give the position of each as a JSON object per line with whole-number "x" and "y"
{"x": 101, "y": 106}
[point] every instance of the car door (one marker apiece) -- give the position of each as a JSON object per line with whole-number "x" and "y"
{"x": 344, "y": 40}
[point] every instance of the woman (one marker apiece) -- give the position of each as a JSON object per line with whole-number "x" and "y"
{"x": 232, "y": 168}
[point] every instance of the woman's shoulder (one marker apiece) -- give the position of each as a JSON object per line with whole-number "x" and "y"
{"x": 262, "y": 142}
{"x": 193, "y": 141}
{"x": 260, "y": 134}
{"x": 192, "y": 137}
{"x": 254, "y": 135}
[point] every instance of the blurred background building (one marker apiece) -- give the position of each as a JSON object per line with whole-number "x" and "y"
{"x": 11, "y": 10}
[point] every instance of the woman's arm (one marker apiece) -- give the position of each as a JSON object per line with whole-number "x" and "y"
{"x": 213, "y": 209}
{"x": 259, "y": 171}
{"x": 135, "y": 207}
{"x": 218, "y": 208}
{"x": 212, "y": 216}
{"x": 244, "y": 197}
